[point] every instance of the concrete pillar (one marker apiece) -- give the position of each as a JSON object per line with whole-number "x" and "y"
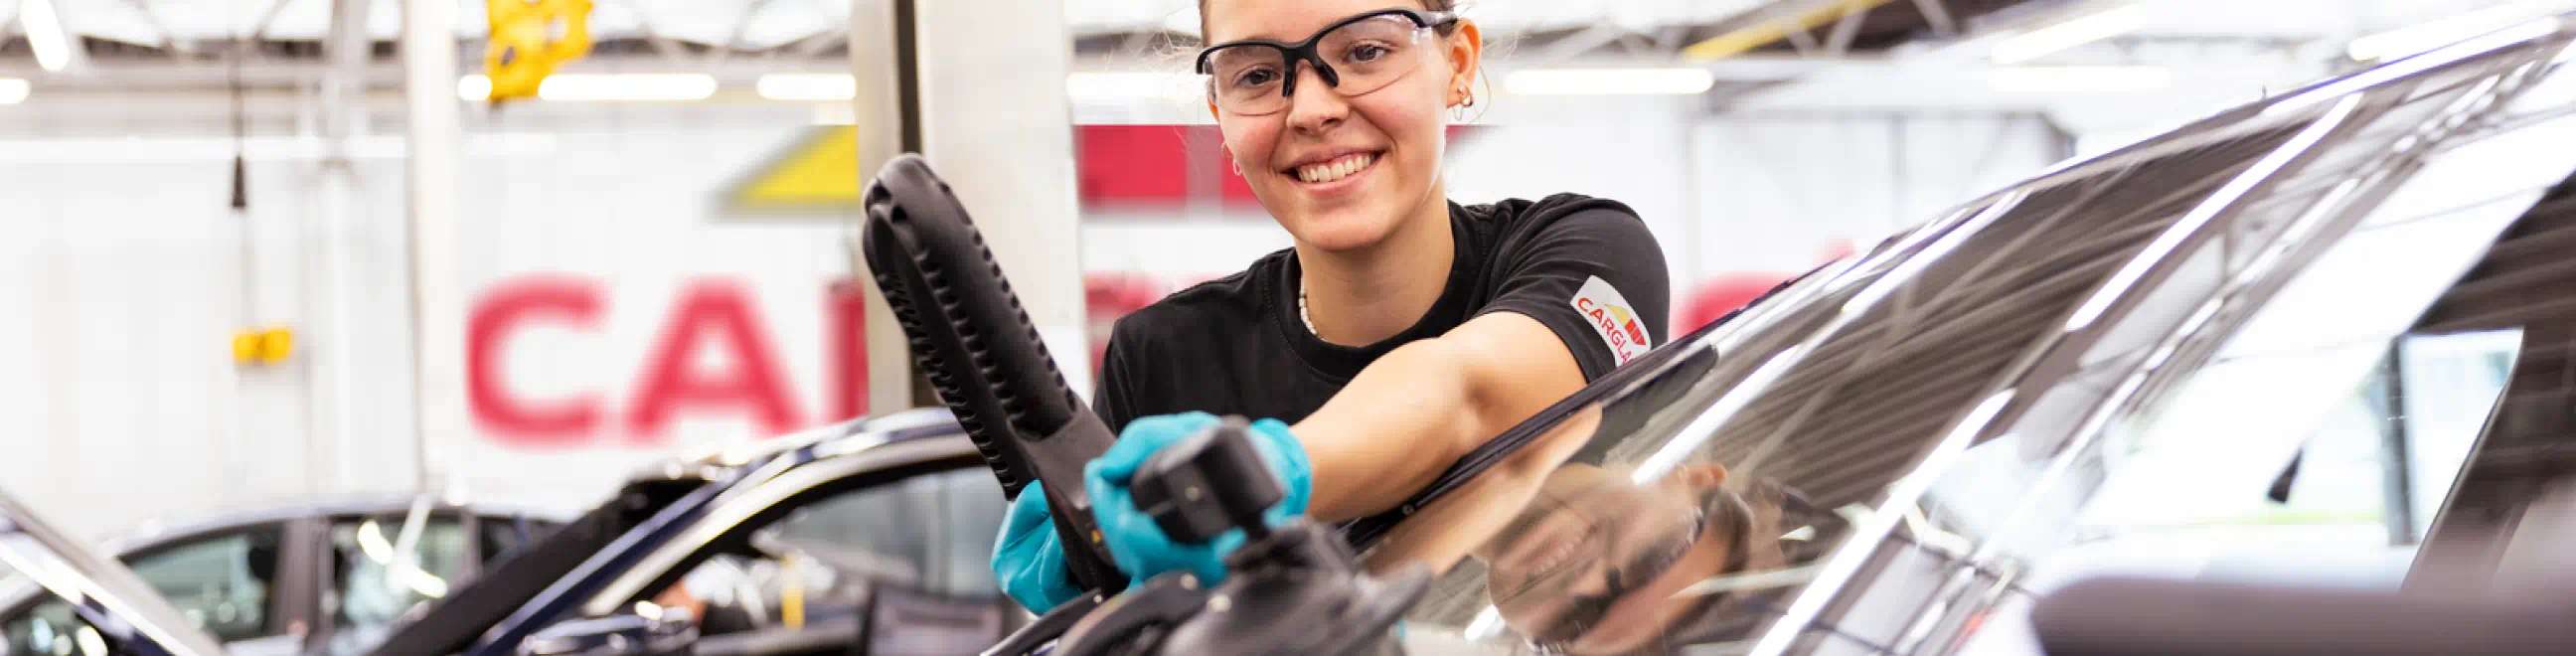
{"x": 437, "y": 298}
{"x": 995, "y": 121}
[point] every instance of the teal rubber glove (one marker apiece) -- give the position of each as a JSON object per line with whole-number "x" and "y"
{"x": 1028, "y": 558}
{"x": 1139, "y": 546}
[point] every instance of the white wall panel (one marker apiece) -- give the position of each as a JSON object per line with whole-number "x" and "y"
{"x": 122, "y": 284}
{"x": 1776, "y": 193}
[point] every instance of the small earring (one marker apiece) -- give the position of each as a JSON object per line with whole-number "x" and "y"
{"x": 1237, "y": 164}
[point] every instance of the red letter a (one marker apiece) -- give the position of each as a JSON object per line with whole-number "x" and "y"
{"x": 710, "y": 315}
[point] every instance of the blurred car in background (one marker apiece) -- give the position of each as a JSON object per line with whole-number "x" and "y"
{"x": 868, "y": 535}
{"x": 104, "y": 607}
{"x": 318, "y": 577}
{"x": 871, "y": 533}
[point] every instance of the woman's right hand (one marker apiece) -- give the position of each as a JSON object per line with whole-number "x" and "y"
{"x": 1028, "y": 558}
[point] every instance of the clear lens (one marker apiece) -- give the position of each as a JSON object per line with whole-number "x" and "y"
{"x": 1366, "y": 56}
{"x": 1247, "y": 78}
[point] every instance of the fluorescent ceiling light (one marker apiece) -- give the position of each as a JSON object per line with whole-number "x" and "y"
{"x": 808, "y": 86}
{"x": 474, "y": 88}
{"x": 2422, "y": 37}
{"x": 1115, "y": 86}
{"x": 575, "y": 87}
{"x": 12, "y": 90}
{"x": 2070, "y": 33}
{"x": 627, "y": 86}
{"x": 45, "y": 34}
{"x": 1609, "y": 81}
{"x": 2079, "y": 79}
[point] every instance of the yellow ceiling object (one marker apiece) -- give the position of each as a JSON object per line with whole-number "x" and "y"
{"x": 263, "y": 347}
{"x": 529, "y": 38}
{"x": 818, "y": 173}
{"x": 1772, "y": 29}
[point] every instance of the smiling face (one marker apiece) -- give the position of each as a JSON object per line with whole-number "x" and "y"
{"x": 1342, "y": 172}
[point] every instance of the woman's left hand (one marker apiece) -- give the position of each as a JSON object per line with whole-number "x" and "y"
{"x": 1139, "y": 546}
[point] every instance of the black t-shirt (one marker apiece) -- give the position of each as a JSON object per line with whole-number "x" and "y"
{"x": 1585, "y": 267}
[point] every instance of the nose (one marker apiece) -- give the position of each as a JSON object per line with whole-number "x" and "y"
{"x": 1317, "y": 106}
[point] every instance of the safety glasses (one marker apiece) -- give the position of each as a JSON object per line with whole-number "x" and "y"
{"x": 1355, "y": 56}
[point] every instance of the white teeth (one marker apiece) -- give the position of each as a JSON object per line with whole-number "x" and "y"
{"x": 1337, "y": 169}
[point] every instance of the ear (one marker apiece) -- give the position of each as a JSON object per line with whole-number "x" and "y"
{"x": 1466, "y": 59}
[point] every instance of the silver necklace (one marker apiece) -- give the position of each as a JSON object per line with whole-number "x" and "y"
{"x": 1301, "y": 309}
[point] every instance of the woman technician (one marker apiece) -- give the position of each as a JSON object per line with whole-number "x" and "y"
{"x": 1400, "y": 332}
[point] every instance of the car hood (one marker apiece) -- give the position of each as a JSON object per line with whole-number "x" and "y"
{"x": 115, "y": 601}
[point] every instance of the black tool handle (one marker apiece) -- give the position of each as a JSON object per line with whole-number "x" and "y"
{"x": 1207, "y": 484}
{"x": 982, "y": 355}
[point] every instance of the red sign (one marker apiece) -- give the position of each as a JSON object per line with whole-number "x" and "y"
{"x": 712, "y": 316}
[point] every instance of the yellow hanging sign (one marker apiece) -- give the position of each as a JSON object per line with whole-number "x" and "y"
{"x": 528, "y": 39}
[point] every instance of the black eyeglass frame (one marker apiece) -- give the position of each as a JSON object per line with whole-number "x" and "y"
{"x": 1291, "y": 53}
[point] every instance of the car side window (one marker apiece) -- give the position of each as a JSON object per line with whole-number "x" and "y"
{"x": 929, "y": 533}
{"x": 224, "y": 584}
{"x": 503, "y": 534}
{"x": 373, "y": 582}
{"x": 927, "y": 536}
{"x": 46, "y": 628}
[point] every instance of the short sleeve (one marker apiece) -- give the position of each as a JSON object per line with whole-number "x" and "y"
{"x": 1594, "y": 276}
{"x": 1113, "y": 398}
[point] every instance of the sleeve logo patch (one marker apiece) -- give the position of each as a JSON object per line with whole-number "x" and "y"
{"x": 1613, "y": 318}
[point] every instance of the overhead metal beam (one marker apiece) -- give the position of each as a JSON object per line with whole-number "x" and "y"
{"x": 1788, "y": 20}
{"x": 51, "y": 37}
{"x": 1845, "y": 29}
{"x": 1939, "y": 16}
{"x": 733, "y": 39}
{"x": 166, "y": 41}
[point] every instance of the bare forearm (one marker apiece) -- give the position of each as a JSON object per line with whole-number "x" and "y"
{"x": 1390, "y": 431}
{"x": 1423, "y": 406}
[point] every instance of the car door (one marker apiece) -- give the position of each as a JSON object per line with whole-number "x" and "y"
{"x": 901, "y": 564}
{"x": 885, "y": 547}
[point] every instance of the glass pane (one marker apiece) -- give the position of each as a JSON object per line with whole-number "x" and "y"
{"x": 374, "y": 582}
{"x": 2324, "y": 439}
{"x": 924, "y": 539}
{"x": 47, "y": 629}
{"x": 222, "y": 584}
{"x": 1809, "y": 406}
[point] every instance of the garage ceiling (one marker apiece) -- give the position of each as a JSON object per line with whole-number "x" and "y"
{"x": 754, "y": 25}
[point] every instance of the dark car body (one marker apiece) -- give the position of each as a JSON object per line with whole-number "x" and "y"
{"x": 897, "y": 512}
{"x": 1898, "y": 452}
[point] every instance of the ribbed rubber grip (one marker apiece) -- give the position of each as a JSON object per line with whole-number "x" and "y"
{"x": 980, "y": 352}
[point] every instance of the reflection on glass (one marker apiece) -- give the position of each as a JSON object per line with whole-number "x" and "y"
{"x": 374, "y": 582}
{"x": 221, "y": 584}
{"x": 1599, "y": 564}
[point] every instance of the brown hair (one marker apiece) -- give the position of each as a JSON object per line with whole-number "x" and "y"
{"x": 1429, "y": 5}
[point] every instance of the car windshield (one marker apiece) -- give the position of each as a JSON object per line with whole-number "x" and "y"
{"x": 1927, "y": 424}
